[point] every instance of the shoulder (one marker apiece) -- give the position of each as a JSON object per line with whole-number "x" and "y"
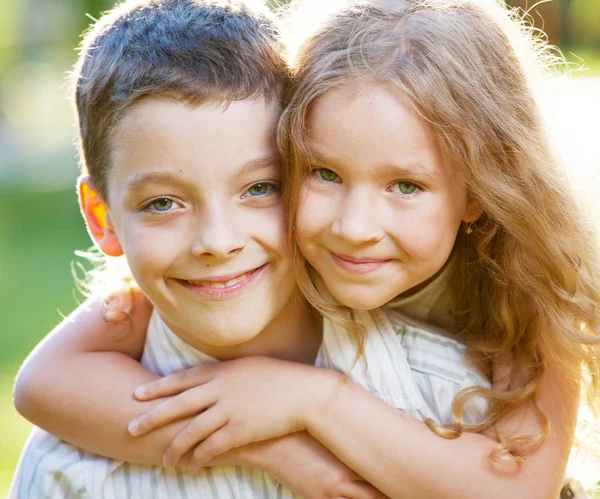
{"x": 440, "y": 368}
{"x": 432, "y": 350}
{"x": 48, "y": 467}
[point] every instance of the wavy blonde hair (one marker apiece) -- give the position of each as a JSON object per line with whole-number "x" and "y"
{"x": 526, "y": 282}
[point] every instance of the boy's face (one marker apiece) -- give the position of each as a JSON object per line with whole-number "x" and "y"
{"x": 195, "y": 205}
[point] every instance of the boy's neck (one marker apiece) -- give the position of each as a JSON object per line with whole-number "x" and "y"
{"x": 294, "y": 335}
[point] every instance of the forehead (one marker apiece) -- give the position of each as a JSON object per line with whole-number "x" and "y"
{"x": 159, "y": 134}
{"x": 374, "y": 125}
{"x": 381, "y": 104}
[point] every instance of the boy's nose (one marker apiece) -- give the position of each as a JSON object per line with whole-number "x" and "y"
{"x": 218, "y": 236}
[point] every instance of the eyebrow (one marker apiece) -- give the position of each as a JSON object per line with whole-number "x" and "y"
{"x": 259, "y": 164}
{"x": 415, "y": 169}
{"x": 412, "y": 169}
{"x": 142, "y": 179}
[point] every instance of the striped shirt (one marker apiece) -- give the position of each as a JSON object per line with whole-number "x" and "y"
{"x": 409, "y": 366}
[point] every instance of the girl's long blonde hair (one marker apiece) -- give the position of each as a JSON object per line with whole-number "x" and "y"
{"x": 526, "y": 282}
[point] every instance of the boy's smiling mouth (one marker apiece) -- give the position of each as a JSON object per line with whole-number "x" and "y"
{"x": 225, "y": 286}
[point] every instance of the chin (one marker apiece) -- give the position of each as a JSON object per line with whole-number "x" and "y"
{"x": 220, "y": 334}
{"x": 361, "y": 300}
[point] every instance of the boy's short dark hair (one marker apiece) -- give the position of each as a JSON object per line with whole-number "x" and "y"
{"x": 190, "y": 51}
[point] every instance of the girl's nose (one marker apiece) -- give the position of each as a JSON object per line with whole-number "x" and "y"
{"x": 357, "y": 222}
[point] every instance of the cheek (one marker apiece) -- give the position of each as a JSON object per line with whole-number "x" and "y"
{"x": 314, "y": 213}
{"x": 428, "y": 232}
{"x": 270, "y": 230}
{"x": 150, "y": 250}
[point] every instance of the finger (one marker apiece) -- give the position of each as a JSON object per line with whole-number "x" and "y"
{"x": 185, "y": 404}
{"x": 117, "y": 306}
{"x": 175, "y": 383}
{"x": 214, "y": 445}
{"x": 197, "y": 430}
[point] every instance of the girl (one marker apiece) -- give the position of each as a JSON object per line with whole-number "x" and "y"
{"x": 419, "y": 174}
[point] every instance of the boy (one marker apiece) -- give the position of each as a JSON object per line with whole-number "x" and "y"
{"x": 177, "y": 104}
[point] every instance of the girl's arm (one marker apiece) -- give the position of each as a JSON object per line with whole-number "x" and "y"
{"x": 413, "y": 462}
{"x": 396, "y": 453}
{"x": 78, "y": 385}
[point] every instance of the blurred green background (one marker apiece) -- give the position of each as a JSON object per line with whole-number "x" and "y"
{"x": 40, "y": 226}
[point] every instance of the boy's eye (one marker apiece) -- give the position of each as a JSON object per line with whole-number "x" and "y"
{"x": 405, "y": 187}
{"x": 327, "y": 175}
{"x": 262, "y": 189}
{"x": 160, "y": 205}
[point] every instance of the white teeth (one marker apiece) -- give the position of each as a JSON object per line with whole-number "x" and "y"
{"x": 219, "y": 285}
{"x": 235, "y": 280}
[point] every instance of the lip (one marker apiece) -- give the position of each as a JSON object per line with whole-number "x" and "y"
{"x": 228, "y": 292}
{"x": 357, "y": 265}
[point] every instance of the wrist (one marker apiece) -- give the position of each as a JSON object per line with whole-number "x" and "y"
{"x": 263, "y": 455}
{"x": 322, "y": 391}
{"x": 269, "y": 455}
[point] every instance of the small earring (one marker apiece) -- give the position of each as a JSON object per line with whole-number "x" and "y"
{"x": 468, "y": 229}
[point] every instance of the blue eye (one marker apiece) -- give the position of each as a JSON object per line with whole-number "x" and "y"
{"x": 327, "y": 175}
{"x": 407, "y": 188}
{"x": 160, "y": 205}
{"x": 263, "y": 189}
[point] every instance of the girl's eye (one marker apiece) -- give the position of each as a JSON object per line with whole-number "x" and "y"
{"x": 160, "y": 205}
{"x": 405, "y": 187}
{"x": 327, "y": 175}
{"x": 262, "y": 189}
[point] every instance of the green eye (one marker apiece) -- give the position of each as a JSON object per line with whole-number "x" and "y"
{"x": 327, "y": 175}
{"x": 407, "y": 187}
{"x": 259, "y": 189}
{"x": 162, "y": 204}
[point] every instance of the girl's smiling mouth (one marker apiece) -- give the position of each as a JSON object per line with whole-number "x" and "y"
{"x": 357, "y": 265}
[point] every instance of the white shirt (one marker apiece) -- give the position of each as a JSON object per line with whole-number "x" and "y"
{"x": 411, "y": 367}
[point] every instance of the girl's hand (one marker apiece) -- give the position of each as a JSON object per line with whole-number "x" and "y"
{"x": 303, "y": 465}
{"x": 309, "y": 470}
{"x": 234, "y": 403}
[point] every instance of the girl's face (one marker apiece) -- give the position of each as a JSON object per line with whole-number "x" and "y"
{"x": 381, "y": 208}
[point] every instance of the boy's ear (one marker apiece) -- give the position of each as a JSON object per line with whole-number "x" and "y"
{"x": 95, "y": 212}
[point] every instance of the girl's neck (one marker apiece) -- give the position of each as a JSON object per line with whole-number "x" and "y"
{"x": 430, "y": 301}
{"x": 437, "y": 277}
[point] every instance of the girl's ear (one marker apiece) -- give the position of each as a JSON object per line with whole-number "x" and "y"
{"x": 473, "y": 211}
{"x": 97, "y": 219}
